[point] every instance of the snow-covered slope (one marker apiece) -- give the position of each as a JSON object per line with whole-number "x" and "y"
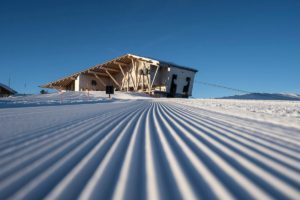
{"x": 266, "y": 96}
{"x": 148, "y": 149}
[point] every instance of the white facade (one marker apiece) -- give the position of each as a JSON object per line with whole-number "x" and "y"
{"x": 84, "y": 83}
{"x": 180, "y": 81}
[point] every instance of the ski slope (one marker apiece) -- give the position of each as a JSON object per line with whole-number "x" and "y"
{"x": 145, "y": 149}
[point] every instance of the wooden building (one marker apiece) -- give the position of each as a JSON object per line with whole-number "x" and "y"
{"x": 6, "y": 91}
{"x": 132, "y": 73}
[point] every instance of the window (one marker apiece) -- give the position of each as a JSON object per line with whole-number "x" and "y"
{"x": 186, "y": 87}
{"x": 94, "y": 83}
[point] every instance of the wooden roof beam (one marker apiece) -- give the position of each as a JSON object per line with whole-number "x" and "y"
{"x": 110, "y": 69}
{"x": 114, "y": 80}
{"x": 100, "y": 80}
{"x": 121, "y": 70}
{"x": 98, "y": 73}
{"x": 120, "y": 63}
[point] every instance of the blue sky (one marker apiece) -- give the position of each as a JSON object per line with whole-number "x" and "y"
{"x": 252, "y": 45}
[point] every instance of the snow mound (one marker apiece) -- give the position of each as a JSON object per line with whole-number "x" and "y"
{"x": 67, "y": 98}
{"x": 276, "y": 112}
{"x": 266, "y": 96}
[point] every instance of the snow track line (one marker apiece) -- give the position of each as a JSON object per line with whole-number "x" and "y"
{"x": 98, "y": 185}
{"x": 152, "y": 182}
{"x": 183, "y": 184}
{"x": 148, "y": 149}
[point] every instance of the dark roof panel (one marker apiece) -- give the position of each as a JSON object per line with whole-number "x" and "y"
{"x": 8, "y": 88}
{"x": 171, "y": 64}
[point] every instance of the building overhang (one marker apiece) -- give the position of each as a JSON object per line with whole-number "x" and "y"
{"x": 110, "y": 68}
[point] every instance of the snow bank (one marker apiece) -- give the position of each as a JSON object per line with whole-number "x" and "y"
{"x": 67, "y": 98}
{"x": 266, "y": 96}
{"x": 278, "y": 112}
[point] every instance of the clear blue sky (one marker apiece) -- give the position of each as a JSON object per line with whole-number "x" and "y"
{"x": 252, "y": 45}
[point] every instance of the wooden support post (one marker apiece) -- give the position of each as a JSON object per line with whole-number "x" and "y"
{"x": 143, "y": 82}
{"x": 138, "y": 83}
{"x": 127, "y": 81}
{"x": 157, "y": 67}
{"x": 130, "y": 74}
{"x": 135, "y": 73}
{"x": 123, "y": 76}
{"x": 148, "y": 79}
{"x": 122, "y": 85}
{"x": 124, "y": 81}
{"x": 114, "y": 80}
{"x": 144, "y": 67}
{"x": 121, "y": 70}
{"x": 132, "y": 80}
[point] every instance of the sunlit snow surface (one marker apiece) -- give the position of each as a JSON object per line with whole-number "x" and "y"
{"x": 134, "y": 147}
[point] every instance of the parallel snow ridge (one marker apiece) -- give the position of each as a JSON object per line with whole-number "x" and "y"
{"x": 150, "y": 150}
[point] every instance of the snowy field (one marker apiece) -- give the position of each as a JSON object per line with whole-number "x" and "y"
{"x": 133, "y": 147}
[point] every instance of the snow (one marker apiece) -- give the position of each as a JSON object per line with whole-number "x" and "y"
{"x": 66, "y": 98}
{"x": 137, "y": 147}
{"x": 277, "y": 112}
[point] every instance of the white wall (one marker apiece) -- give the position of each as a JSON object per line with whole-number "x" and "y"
{"x": 84, "y": 82}
{"x": 182, "y": 74}
{"x": 77, "y": 83}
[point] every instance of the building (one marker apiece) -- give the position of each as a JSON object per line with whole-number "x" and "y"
{"x": 6, "y": 91}
{"x": 132, "y": 73}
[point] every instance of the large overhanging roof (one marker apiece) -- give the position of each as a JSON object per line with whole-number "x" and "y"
{"x": 112, "y": 67}
{"x": 8, "y": 88}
